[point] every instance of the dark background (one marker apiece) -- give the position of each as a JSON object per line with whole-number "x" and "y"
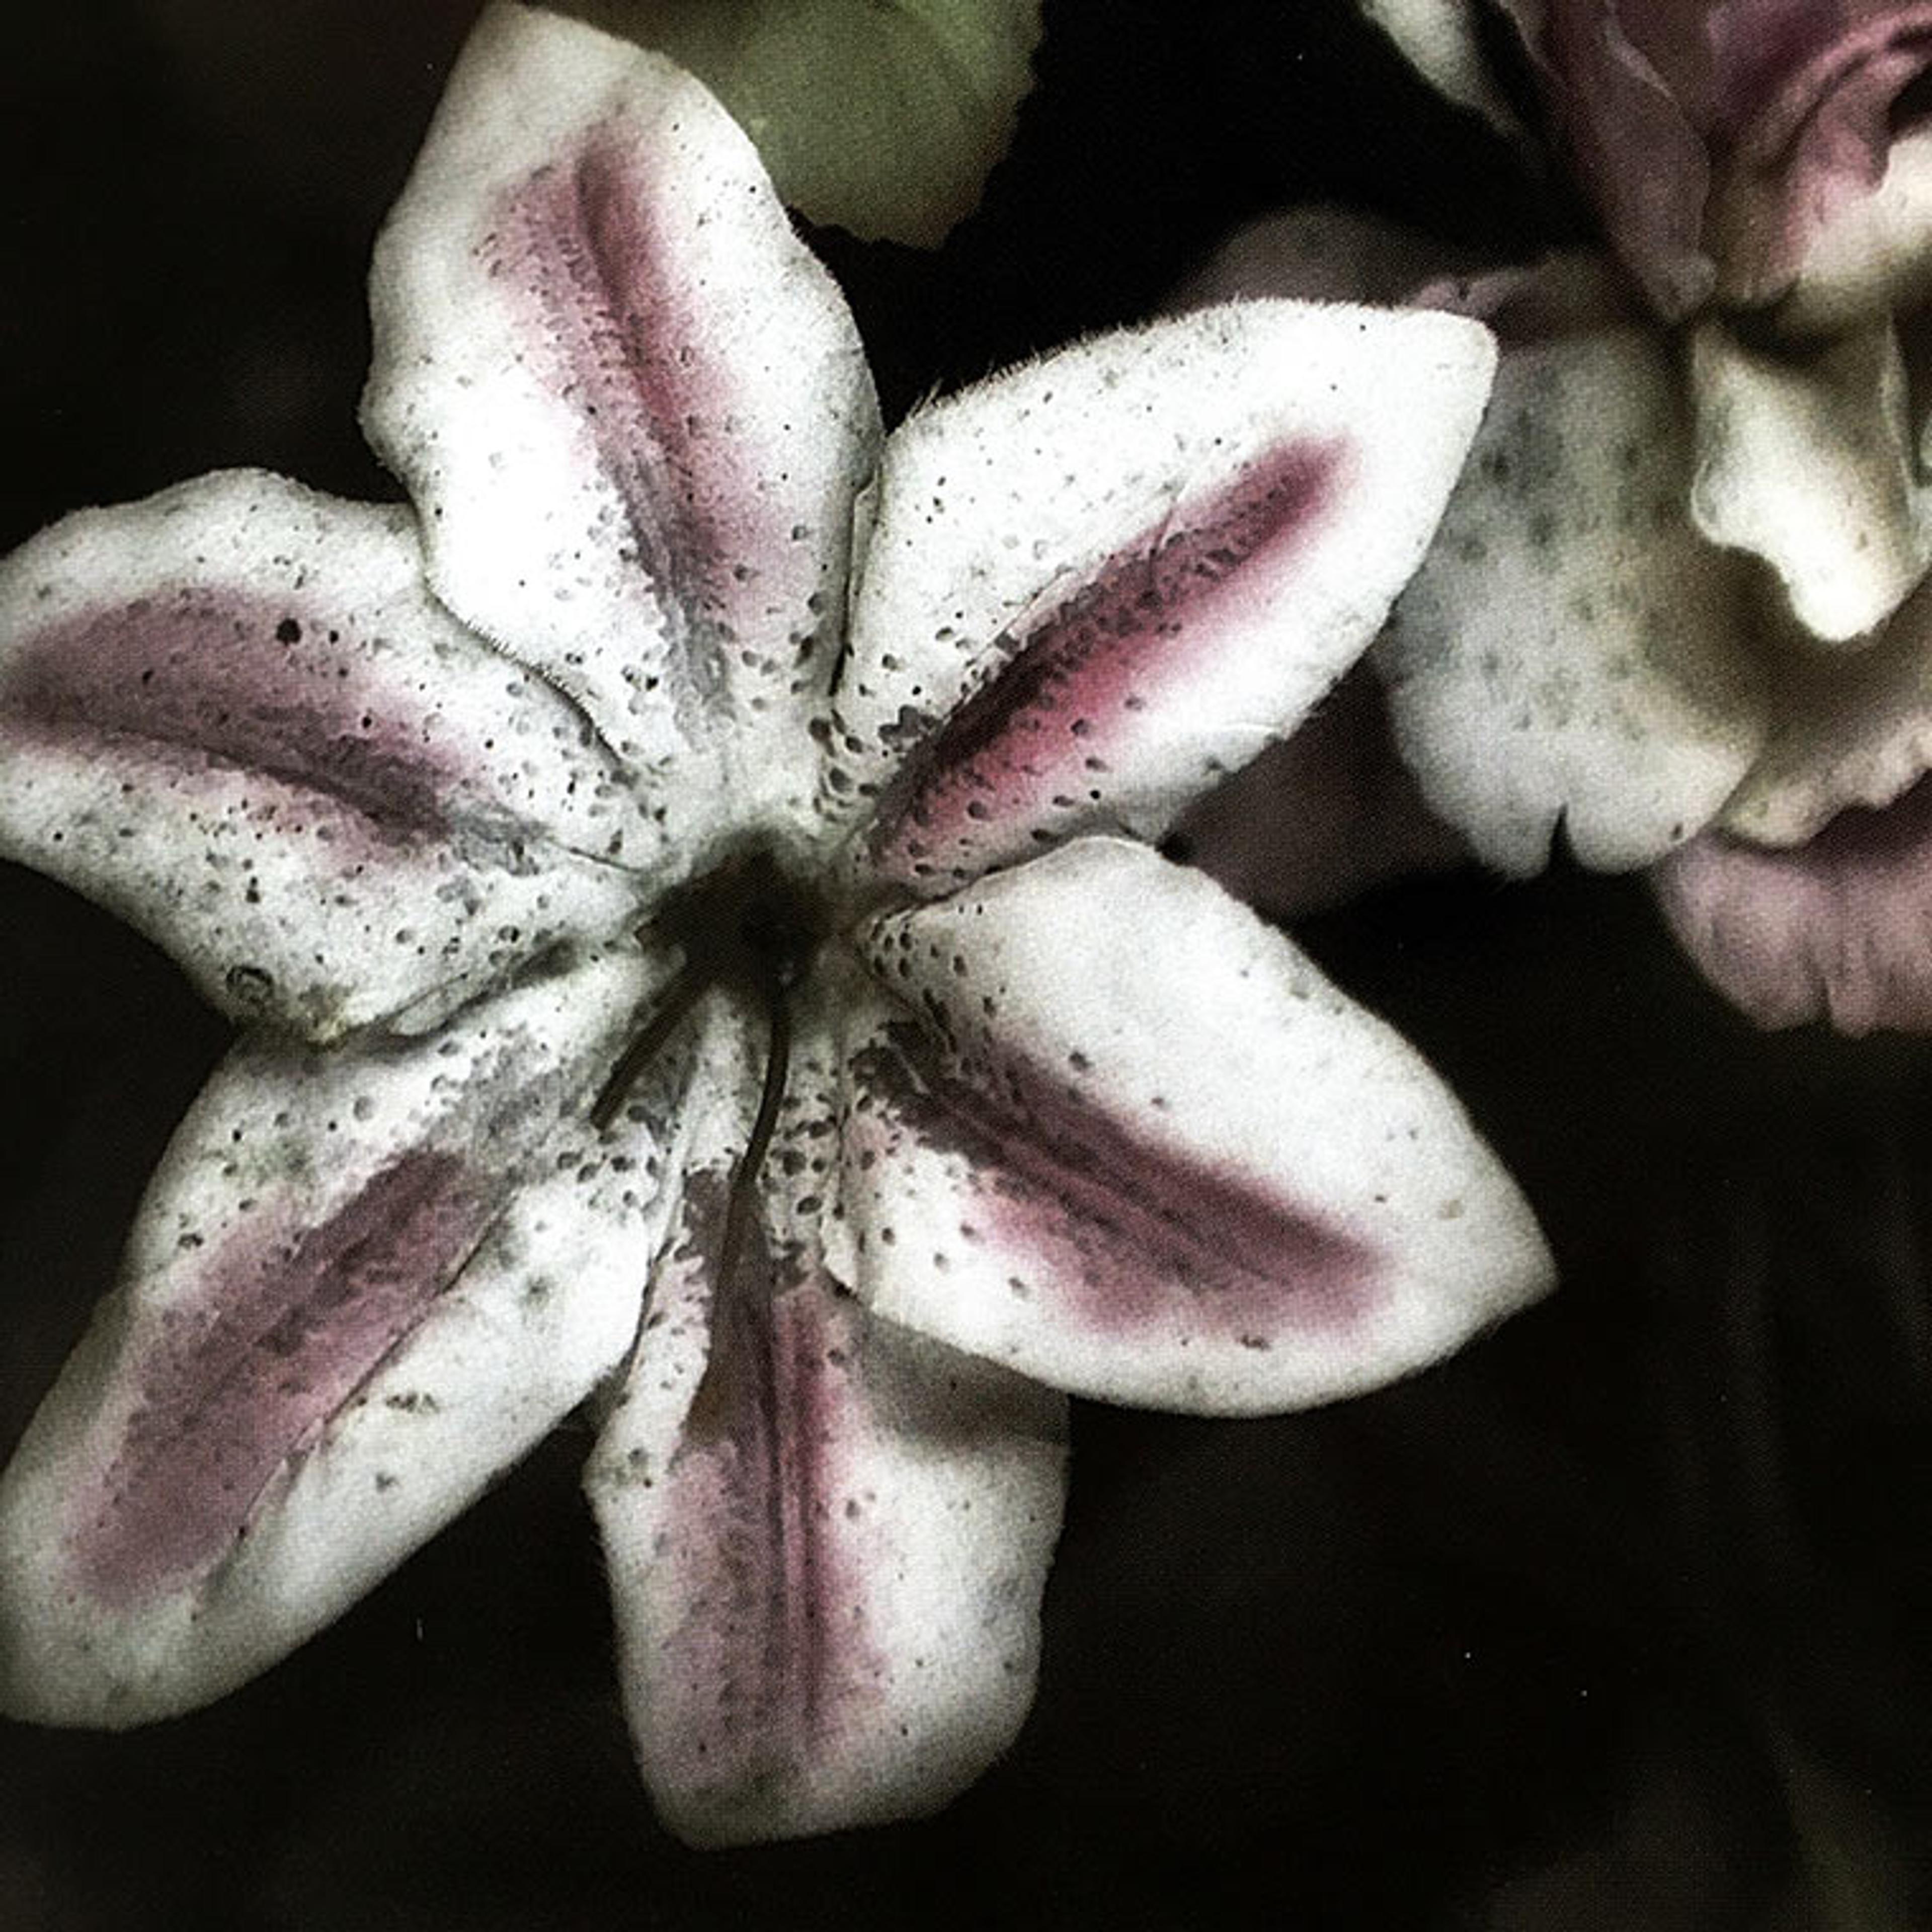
{"x": 1619, "y": 1619}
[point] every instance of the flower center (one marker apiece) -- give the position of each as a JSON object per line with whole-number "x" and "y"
{"x": 750, "y": 924}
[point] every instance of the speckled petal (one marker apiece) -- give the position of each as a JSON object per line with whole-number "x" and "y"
{"x": 1570, "y": 651}
{"x": 1121, "y": 1136}
{"x": 631, "y": 406}
{"x": 827, "y": 1538}
{"x": 362, "y": 1283}
{"x": 232, "y": 714}
{"x": 1095, "y": 585}
{"x": 1806, "y": 459}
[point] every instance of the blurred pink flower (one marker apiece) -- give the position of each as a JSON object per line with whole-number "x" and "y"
{"x": 1575, "y": 652}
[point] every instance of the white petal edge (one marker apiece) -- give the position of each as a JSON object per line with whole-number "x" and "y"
{"x": 1570, "y": 651}
{"x": 542, "y": 1306}
{"x": 631, "y": 406}
{"x": 1100, "y": 1022}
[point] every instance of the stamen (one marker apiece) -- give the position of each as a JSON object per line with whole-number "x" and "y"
{"x": 745, "y": 1181}
{"x": 692, "y": 980}
{"x": 738, "y": 1327}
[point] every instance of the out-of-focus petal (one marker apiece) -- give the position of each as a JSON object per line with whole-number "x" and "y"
{"x": 883, "y": 120}
{"x": 1874, "y": 256}
{"x": 632, "y": 408}
{"x": 1807, "y": 461}
{"x": 1850, "y": 731}
{"x": 1133, "y": 1144}
{"x": 1628, "y": 115}
{"x": 1318, "y": 253}
{"x": 233, "y": 715}
{"x": 1321, "y": 816}
{"x": 1095, "y": 584}
{"x": 1570, "y": 651}
{"x": 1834, "y": 928}
{"x": 362, "y": 1283}
{"x": 1439, "y": 39}
{"x": 827, "y": 1538}
{"x": 1807, "y": 99}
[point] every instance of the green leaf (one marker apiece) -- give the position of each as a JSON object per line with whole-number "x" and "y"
{"x": 884, "y": 117}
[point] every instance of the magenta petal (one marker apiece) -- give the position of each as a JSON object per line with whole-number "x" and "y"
{"x": 1834, "y": 928}
{"x": 233, "y": 714}
{"x": 361, "y": 1284}
{"x": 827, "y": 1538}
{"x": 629, "y": 404}
{"x": 1046, "y": 728}
{"x": 1104, "y": 1126}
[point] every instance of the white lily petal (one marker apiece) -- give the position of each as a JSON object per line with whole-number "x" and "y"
{"x": 232, "y": 714}
{"x": 827, "y": 1538}
{"x": 1569, "y": 651}
{"x": 1135, "y": 1145}
{"x": 1873, "y": 255}
{"x": 1095, "y": 584}
{"x": 631, "y": 406}
{"x": 1806, "y": 460}
{"x": 363, "y": 1282}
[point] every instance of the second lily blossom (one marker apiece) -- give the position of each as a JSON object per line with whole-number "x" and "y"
{"x": 1677, "y": 604}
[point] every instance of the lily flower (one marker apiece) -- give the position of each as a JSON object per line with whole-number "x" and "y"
{"x": 1680, "y": 604}
{"x": 1763, "y": 169}
{"x": 1685, "y": 622}
{"x": 684, "y": 878}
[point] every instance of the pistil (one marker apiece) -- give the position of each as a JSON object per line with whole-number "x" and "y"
{"x": 749, "y": 925}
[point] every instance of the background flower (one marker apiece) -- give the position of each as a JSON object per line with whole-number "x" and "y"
{"x": 1762, "y": 169}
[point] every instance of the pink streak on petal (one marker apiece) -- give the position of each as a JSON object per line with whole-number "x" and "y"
{"x": 1127, "y": 1232}
{"x": 1031, "y": 743}
{"x": 770, "y": 1644}
{"x": 205, "y": 681}
{"x": 627, "y": 343}
{"x": 1835, "y": 926}
{"x": 247, "y": 1373}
